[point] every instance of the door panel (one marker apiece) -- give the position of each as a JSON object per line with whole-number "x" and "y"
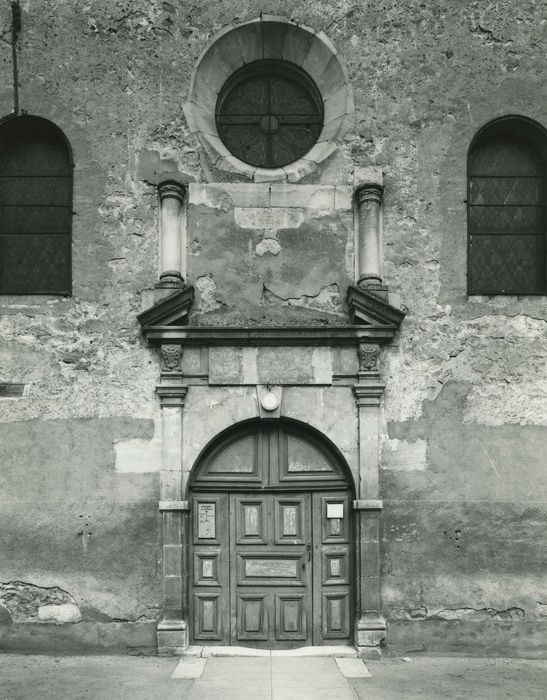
{"x": 207, "y": 617}
{"x": 290, "y": 617}
{"x": 252, "y": 617}
{"x": 250, "y": 521}
{"x": 336, "y": 615}
{"x": 290, "y": 517}
{"x": 208, "y": 519}
{"x": 271, "y": 569}
{"x": 334, "y": 519}
{"x": 206, "y": 568}
{"x": 277, "y": 572}
{"x": 335, "y": 567}
{"x": 331, "y": 567}
{"x": 210, "y": 568}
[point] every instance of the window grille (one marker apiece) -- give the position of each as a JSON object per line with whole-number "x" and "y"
{"x": 506, "y": 209}
{"x": 35, "y": 208}
{"x": 269, "y": 113}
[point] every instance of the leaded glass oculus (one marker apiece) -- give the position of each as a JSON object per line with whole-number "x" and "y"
{"x": 269, "y": 113}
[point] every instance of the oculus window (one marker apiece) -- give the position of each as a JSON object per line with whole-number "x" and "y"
{"x": 35, "y": 207}
{"x": 506, "y": 208}
{"x": 269, "y": 113}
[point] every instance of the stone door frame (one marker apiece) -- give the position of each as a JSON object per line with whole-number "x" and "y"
{"x": 370, "y": 626}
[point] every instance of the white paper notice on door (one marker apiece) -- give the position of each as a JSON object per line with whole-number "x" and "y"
{"x": 206, "y": 521}
{"x": 335, "y": 510}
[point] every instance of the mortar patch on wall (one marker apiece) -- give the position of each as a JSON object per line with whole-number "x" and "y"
{"x": 29, "y": 603}
{"x": 138, "y": 455}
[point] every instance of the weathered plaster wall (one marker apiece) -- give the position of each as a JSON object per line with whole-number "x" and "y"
{"x": 270, "y": 253}
{"x": 465, "y": 427}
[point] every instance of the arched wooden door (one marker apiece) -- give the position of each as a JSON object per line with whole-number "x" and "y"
{"x": 271, "y": 541}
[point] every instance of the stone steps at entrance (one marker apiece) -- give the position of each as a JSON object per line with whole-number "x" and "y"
{"x": 208, "y": 651}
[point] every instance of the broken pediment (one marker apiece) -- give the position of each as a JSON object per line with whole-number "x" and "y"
{"x": 171, "y": 310}
{"x": 368, "y": 308}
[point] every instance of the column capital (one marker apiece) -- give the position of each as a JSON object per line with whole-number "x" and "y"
{"x": 370, "y": 504}
{"x": 172, "y": 395}
{"x": 369, "y": 192}
{"x": 174, "y": 189}
{"x": 174, "y": 506}
{"x": 369, "y": 393}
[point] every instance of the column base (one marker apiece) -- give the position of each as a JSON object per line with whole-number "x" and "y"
{"x": 374, "y": 286}
{"x": 172, "y": 637}
{"x": 170, "y": 279}
{"x": 370, "y": 634}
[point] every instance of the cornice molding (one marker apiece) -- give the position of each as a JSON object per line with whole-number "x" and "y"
{"x": 266, "y": 335}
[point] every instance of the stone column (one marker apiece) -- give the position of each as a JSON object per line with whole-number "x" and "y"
{"x": 369, "y": 199}
{"x": 172, "y": 236}
{"x": 371, "y": 626}
{"x": 172, "y": 631}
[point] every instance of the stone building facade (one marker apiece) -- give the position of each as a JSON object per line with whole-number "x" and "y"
{"x": 274, "y": 405}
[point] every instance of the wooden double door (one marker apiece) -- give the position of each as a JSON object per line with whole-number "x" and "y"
{"x": 271, "y": 568}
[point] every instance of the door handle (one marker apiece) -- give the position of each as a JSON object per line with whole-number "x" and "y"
{"x": 308, "y": 550}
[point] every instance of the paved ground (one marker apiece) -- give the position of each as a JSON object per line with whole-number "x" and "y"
{"x": 265, "y": 678}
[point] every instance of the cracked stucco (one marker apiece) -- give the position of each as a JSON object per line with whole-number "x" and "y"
{"x": 463, "y": 614}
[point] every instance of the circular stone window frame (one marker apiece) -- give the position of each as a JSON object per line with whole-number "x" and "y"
{"x": 276, "y": 38}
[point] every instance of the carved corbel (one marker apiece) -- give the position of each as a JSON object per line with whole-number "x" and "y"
{"x": 171, "y": 361}
{"x": 369, "y": 388}
{"x": 369, "y": 354}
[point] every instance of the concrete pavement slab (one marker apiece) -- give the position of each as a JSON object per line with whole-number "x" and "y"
{"x": 314, "y": 677}
{"x": 269, "y": 678}
{"x": 189, "y": 668}
{"x": 453, "y": 678}
{"x": 238, "y": 668}
{"x": 90, "y": 678}
{"x": 353, "y": 668}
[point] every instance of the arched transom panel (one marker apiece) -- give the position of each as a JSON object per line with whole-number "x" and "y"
{"x": 270, "y": 455}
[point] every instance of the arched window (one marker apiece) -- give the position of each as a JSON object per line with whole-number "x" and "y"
{"x": 506, "y": 208}
{"x": 35, "y": 207}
